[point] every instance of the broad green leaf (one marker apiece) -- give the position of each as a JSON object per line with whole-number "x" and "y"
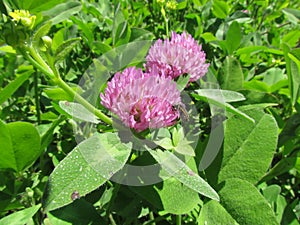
{"x": 21, "y": 217}
{"x": 86, "y": 167}
{"x": 7, "y": 159}
{"x": 24, "y": 148}
{"x": 37, "y": 6}
{"x": 256, "y": 85}
{"x": 78, "y": 111}
{"x": 65, "y": 48}
{"x": 231, "y": 76}
{"x": 291, "y": 38}
{"x": 138, "y": 34}
{"x": 170, "y": 196}
{"x": 221, "y": 95}
{"x": 8, "y": 91}
{"x": 271, "y": 194}
{"x": 220, "y": 9}
{"x": 273, "y": 76}
{"x": 295, "y": 12}
{"x": 245, "y": 203}
{"x": 208, "y": 37}
{"x": 213, "y": 213}
{"x": 248, "y": 147}
{"x": 251, "y": 50}
{"x": 80, "y": 212}
{"x": 293, "y": 15}
{"x": 233, "y": 37}
{"x": 62, "y": 11}
{"x": 176, "y": 168}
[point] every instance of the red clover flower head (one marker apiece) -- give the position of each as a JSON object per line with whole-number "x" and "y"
{"x": 142, "y": 100}
{"x": 180, "y": 55}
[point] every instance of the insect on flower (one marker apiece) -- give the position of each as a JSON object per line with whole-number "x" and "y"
{"x": 184, "y": 115}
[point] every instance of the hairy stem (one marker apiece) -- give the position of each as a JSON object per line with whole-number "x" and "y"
{"x": 37, "y": 61}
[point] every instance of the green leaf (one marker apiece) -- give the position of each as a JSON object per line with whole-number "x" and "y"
{"x": 58, "y": 94}
{"x": 8, "y": 91}
{"x": 37, "y": 6}
{"x": 245, "y": 203}
{"x": 291, "y": 38}
{"x": 248, "y": 147}
{"x": 100, "y": 47}
{"x": 257, "y": 85}
{"x": 182, "y": 82}
{"x": 233, "y": 37}
{"x": 176, "y": 168}
{"x": 88, "y": 34}
{"x": 292, "y": 15}
{"x": 121, "y": 31}
{"x": 86, "y": 167}
{"x": 231, "y": 76}
{"x": 78, "y": 111}
{"x": 221, "y": 95}
{"x": 271, "y": 193}
{"x": 293, "y": 73}
{"x": 62, "y": 11}
{"x": 170, "y": 196}
{"x": 283, "y": 166}
{"x": 217, "y": 99}
{"x": 46, "y": 137}
{"x": 21, "y": 217}
{"x": 65, "y": 48}
{"x": 22, "y": 145}
{"x": 138, "y": 34}
{"x": 213, "y": 213}
{"x": 6, "y": 150}
{"x": 220, "y": 9}
{"x": 80, "y": 212}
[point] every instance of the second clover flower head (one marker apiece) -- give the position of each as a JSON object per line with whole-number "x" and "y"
{"x": 142, "y": 100}
{"x": 180, "y": 55}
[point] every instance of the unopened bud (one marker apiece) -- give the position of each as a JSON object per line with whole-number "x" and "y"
{"x": 47, "y": 41}
{"x": 23, "y": 17}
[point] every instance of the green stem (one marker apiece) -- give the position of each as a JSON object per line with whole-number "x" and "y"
{"x": 178, "y": 219}
{"x": 40, "y": 64}
{"x": 151, "y": 217}
{"x": 36, "y": 97}
{"x": 44, "y": 70}
{"x": 82, "y": 101}
{"x": 111, "y": 218}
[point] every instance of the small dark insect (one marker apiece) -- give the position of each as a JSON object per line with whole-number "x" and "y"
{"x": 191, "y": 173}
{"x": 184, "y": 115}
{"x": 75, "y": 195}
{"x": 67, "y": 103}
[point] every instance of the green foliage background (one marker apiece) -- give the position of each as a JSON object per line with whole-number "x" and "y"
{"x": 252, "y": 48}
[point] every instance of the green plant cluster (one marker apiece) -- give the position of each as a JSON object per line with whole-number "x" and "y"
{"x": 46, "y": 177}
